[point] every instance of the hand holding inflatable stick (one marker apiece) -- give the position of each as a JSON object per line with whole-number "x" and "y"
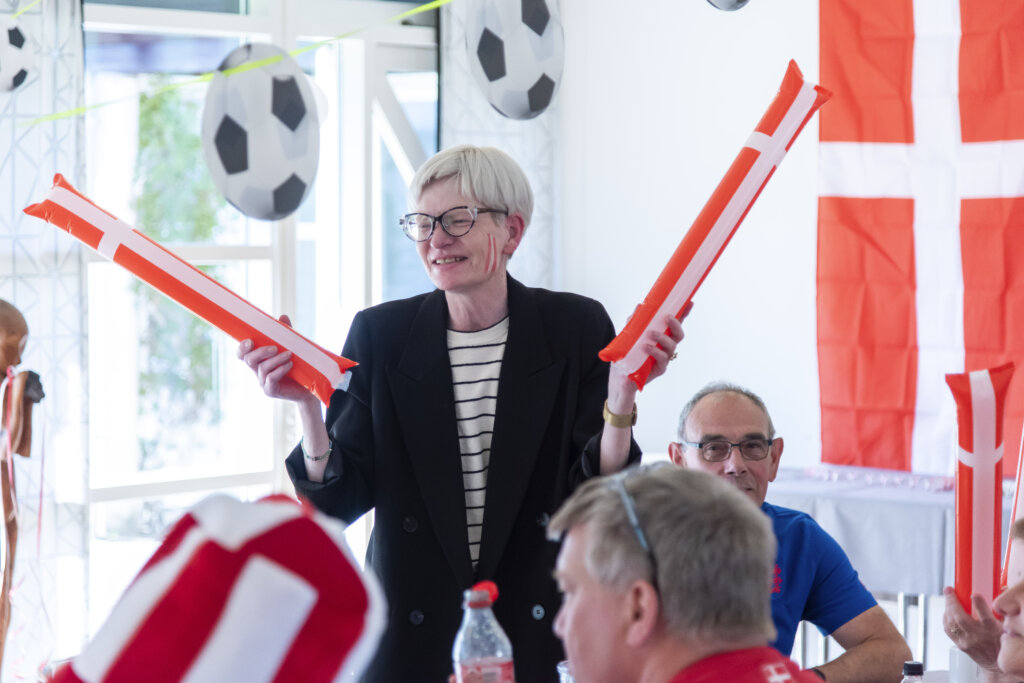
{"x": 314, "y": 368}
{"x": 794, "y": 105}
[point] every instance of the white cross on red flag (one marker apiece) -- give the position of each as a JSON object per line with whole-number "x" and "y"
{"x": 920, "y": 221}
{"x": 775, "y": 673}
{"x": 262, "y": 591}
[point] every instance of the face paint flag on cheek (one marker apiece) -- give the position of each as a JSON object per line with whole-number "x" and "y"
{"x": 792, "y": 108}
{"x": 980, "y": 403}
{"x": 314, "y": 367}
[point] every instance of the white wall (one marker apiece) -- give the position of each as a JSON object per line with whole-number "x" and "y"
{"x": 658, "y": 97}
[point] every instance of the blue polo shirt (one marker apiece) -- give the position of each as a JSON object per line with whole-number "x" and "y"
{"x": 814, "y": 580}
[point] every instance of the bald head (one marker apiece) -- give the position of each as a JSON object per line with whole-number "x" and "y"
{"x": 729, "y": 415}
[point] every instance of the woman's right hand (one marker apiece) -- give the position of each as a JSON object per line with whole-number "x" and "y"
{"x": 271, "y": 367}
{"x": 976, "y": 635}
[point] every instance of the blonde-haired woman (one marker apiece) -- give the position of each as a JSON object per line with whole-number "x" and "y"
{"x": 475, "y": 411}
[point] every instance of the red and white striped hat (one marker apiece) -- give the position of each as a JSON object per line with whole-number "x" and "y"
{"x": 264, "y": 591}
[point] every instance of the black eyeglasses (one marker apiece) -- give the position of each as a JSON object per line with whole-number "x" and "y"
{"x": 717, "y": 450}
{"x": 456, "y": 222}
{"x": 634, "y": 521}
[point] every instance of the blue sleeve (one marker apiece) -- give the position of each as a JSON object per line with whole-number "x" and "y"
{"x": 837, "y": 594}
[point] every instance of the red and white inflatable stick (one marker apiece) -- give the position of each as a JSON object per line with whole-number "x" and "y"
{"x": 792, "y": 108}
{"x": 980, "y": 404}
{"x": 315, "y": 368}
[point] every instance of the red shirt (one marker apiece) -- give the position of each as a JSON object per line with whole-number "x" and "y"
{"x": 754, "y": 665}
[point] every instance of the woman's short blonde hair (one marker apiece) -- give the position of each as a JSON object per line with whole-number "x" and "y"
{"x": 485, "y": 175}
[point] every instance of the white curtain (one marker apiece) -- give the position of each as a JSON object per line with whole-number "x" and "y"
{"x": 466, "y": 117}
{"x": 41, "y": 273}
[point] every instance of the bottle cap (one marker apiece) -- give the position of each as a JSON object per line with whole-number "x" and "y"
{"x": 913, "y": 669}
{"x": 482, "y": 594}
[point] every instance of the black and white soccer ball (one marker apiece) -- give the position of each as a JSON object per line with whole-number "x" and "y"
{"x": 261, "y": 131}
{"x": 16, "y": 57}
{"x": 729, "y": 5}
{"x": 516, "y": 51}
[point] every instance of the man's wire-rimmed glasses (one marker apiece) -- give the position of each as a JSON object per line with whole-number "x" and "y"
{"x": 634, "y": 521}
{"x": 717, "y": 450}
{"x": 456, "y": 222}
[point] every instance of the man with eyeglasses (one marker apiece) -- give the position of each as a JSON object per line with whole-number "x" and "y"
{"x": 665, "y": 574}
{"x": 726, "y": 430}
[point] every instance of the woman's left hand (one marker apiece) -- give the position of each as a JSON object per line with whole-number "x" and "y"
{"x": 622, "y": 390}
{"x": 661, "y": 347}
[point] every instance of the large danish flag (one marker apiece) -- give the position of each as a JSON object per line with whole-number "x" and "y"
{"x": 920, "y": 221}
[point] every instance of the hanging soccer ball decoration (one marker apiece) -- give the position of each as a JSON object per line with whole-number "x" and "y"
{"x": 16, "y": 58}
{"x": 516, "y": 51}
{"x": 261, "y": 133}
{"x": 729, "y": 5}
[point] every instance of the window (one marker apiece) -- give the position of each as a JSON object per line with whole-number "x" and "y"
{"x": 173, "y": 416}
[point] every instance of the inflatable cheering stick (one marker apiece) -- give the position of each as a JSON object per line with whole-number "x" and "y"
{"x": 794, "y": 105}
{"x": 980, "y": 403}
{"x": 314, "y": 367}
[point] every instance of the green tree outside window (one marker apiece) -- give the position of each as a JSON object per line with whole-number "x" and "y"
{"x": 176, "y": 202}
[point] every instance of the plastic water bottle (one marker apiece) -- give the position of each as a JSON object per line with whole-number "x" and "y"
{"x": 482, "y": 652}
{"x": 913, "y": 672}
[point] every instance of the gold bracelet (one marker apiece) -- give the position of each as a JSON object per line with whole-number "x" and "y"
{"x": 620, "y": 421}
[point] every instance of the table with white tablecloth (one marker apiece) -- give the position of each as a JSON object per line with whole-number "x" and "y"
{"x": 897, "y": 528}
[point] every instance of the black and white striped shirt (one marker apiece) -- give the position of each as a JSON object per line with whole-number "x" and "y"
{"x": 476, "y": 366}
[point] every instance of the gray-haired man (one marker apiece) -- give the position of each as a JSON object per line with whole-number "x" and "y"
{"x": 665, "y": 575}
{"x": 726, "y": 430}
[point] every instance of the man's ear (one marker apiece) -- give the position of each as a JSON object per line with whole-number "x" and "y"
{"x": 644, "y": 612}
{"x": 675, "y": 453}
{"x": 776, "y": 457}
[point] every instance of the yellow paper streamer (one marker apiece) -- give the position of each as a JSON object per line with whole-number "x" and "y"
{"x": 25, "y": 9}
{"x": 78, "y": 111}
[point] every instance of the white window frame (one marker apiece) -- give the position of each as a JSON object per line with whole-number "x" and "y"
{"x": 349, "y": 264}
